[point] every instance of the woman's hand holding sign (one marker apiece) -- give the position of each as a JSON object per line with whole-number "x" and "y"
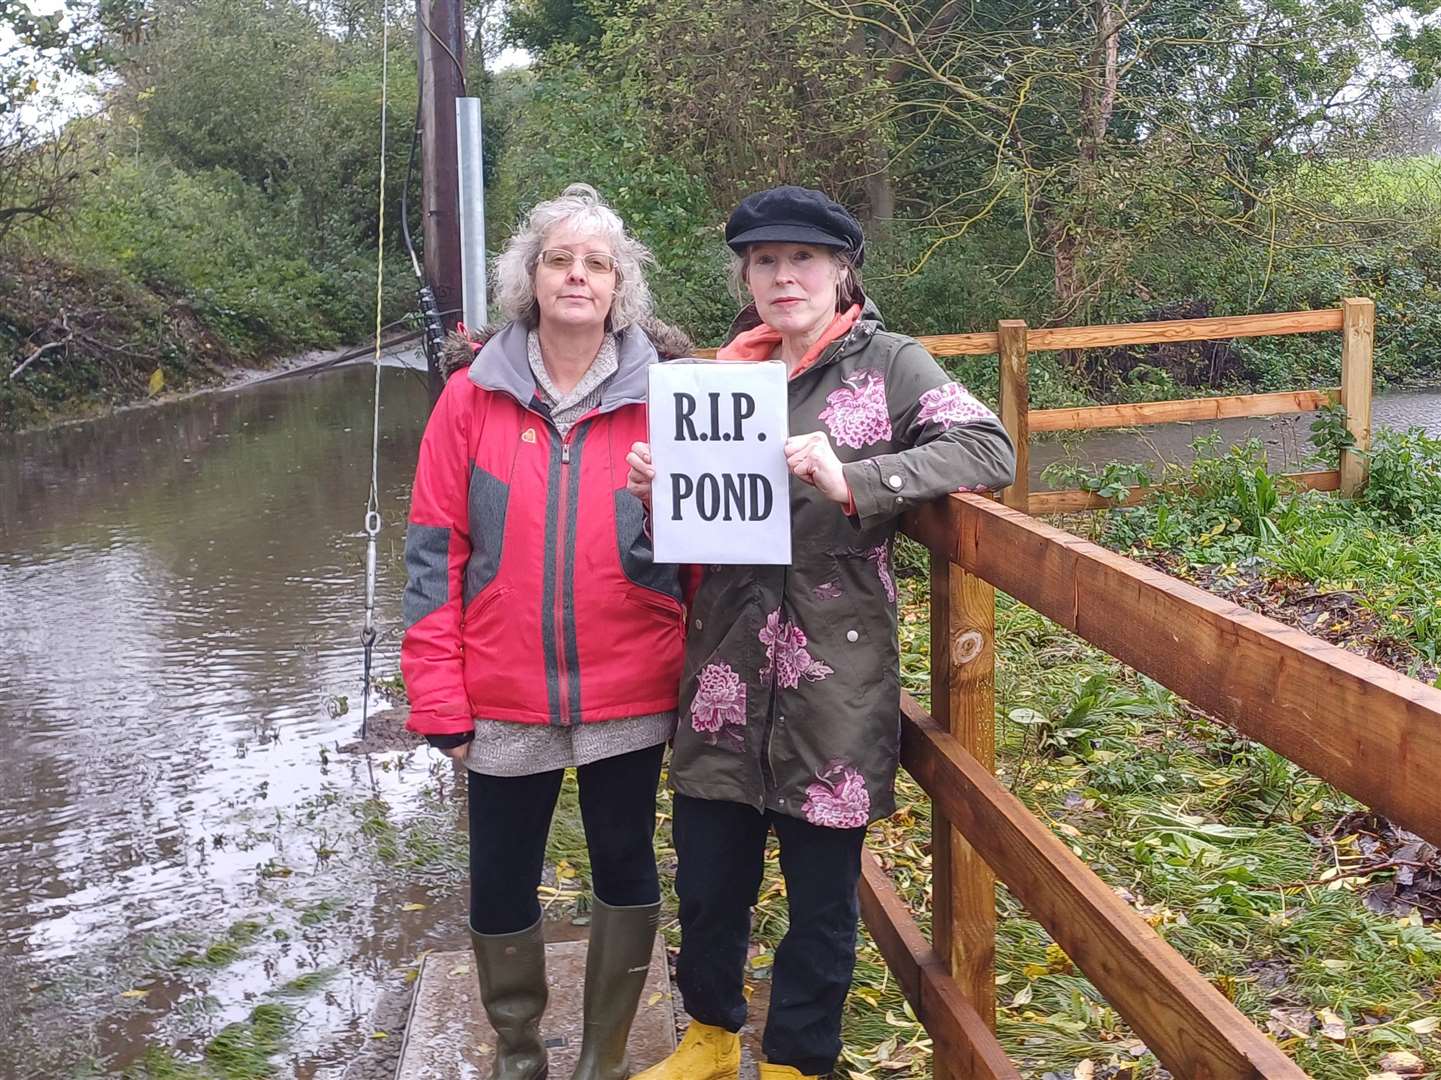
{"x": 811, "y": 458}
{"x": 642, "y": 472}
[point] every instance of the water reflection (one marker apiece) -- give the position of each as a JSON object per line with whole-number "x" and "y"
{"x": 180, "y": 593}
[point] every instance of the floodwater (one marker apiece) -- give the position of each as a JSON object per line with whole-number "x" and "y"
{"x": 180, "y": 605}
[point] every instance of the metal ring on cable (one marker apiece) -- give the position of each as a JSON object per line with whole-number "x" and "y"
{"x": 372, "y": 523}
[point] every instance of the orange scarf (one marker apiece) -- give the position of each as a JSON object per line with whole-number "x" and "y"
{"x": 758, "y": 343}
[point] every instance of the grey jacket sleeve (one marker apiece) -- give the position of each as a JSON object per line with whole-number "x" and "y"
{"x": 955, "y": 443}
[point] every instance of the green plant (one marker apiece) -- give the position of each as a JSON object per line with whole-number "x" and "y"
{"x": 1404, "y": 485}
{"x": 1114, "y": 480}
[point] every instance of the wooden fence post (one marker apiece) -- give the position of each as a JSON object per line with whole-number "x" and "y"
{"x": 963, "y": 888}
{"x": 1358, "y": 335}
{"x": 1016, "y": 407}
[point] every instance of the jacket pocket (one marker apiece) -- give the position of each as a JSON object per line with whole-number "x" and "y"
{"x": 489, "y": 651}
{"x": 660, "y": 605}
{"x": 479, "y": 605}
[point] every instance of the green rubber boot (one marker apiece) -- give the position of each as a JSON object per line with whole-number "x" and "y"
{"x": 616, "y": 964}
{"x": 511, "y": 968}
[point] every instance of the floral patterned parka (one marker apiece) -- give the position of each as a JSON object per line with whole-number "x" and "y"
{"x": 790, "y": 696}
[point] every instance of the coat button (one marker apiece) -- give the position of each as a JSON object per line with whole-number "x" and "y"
{"x": 894, "y": 481}
{"x": 899, "y": 499}
{"x": 851, "y": 635}
{"x": 699, "y": 625}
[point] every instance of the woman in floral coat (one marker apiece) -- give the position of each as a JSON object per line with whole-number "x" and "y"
{"x": 789, "y": 711}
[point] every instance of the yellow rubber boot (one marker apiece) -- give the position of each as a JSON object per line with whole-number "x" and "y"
{"x": 704, "y": 1053}
{"x": 783, "y": 1072}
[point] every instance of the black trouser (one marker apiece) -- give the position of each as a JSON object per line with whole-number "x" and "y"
{"x": 720, "y": 848}
{"x": 510, "y": 819}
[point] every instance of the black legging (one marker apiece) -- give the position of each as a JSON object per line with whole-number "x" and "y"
{"x": 510, "y": 819}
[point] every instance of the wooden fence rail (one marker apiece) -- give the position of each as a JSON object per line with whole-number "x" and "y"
{"x": 1013, "y": 342}
{"x": 1355, "y": 319}
{"x": 1332, "y": 712}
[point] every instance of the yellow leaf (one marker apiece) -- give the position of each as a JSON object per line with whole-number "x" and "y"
{"x": 1056, "y": 959}
{"x": 653, "y": 999}
{"x": 134, "y": 993}
{"x": 157, "y": 381}
{"x": 412, "y": 907}
{"x": 1034, "y": 971}
{"x": 379, "y": 1035}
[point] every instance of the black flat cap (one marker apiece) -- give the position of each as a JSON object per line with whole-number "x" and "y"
{"x": 795, "y": 215}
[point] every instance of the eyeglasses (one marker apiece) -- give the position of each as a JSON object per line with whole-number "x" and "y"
{"x": 596, "y": 262}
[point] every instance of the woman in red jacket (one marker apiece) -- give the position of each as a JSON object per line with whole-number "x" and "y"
{"x": 541, "y": 635}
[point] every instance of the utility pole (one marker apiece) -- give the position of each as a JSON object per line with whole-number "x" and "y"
{"x": 440, "y": 32}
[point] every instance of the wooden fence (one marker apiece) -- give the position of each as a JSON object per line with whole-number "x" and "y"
{"x": 1013, "y": 342}
{"x": 1330, "y": 711}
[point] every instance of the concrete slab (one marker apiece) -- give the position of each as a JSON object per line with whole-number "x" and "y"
{"x": 449, "y": 1038}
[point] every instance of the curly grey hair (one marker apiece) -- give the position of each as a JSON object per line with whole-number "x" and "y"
{"x": 583, "y": 210}
{"x": 848, "y": 277}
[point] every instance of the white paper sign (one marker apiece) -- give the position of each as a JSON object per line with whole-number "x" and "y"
{"x": 717, "y": 439}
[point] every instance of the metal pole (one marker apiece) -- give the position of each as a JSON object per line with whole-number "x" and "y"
{"x": 440, "y": 30}
{"x": 470, "y": 151}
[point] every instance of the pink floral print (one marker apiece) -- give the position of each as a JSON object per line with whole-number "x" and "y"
{"x": 881, "y": 556}
{"x": 949, "y": 404}
{"x": 718, "y": 709}
{"x": 838, "y": 799}
{"x": 786, "y": 653}
{"x": 857, "y": 414}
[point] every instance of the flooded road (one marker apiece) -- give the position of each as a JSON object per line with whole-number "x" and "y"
{"x": 183, "y": 837}
{"x": 180, "y": 596}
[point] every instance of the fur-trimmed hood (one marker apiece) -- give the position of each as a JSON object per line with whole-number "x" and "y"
{"x": 460, "y": 349}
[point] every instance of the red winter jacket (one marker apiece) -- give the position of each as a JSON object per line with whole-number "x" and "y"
{"x": 531, "y": 593}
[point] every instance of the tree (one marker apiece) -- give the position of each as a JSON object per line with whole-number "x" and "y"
{"x": 1105, "y": 123}
{"x": 38, "y": 166}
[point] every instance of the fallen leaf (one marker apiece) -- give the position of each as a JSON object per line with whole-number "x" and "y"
{"x": 653, "y": 999}
{"x": 1023, "y": 997}
{"x": 412, "y": 907}
{"x": 1332, "y": 1026}
{"x": 1086, "y": 1070}
{"x": 1426, "y": 1025}
{"x": 458, "y": 970}
{"x": 157, "y": 381}
{"x": 1384, "y": 1076}
{"x": 379, "y": 1035}
{"x": 1284, "y": 1022}
{"x": 1402, "y": 1061}
{"x": 134, "y": 993}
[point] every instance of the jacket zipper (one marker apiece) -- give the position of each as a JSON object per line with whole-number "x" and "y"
{"x": 562, "y": 673}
